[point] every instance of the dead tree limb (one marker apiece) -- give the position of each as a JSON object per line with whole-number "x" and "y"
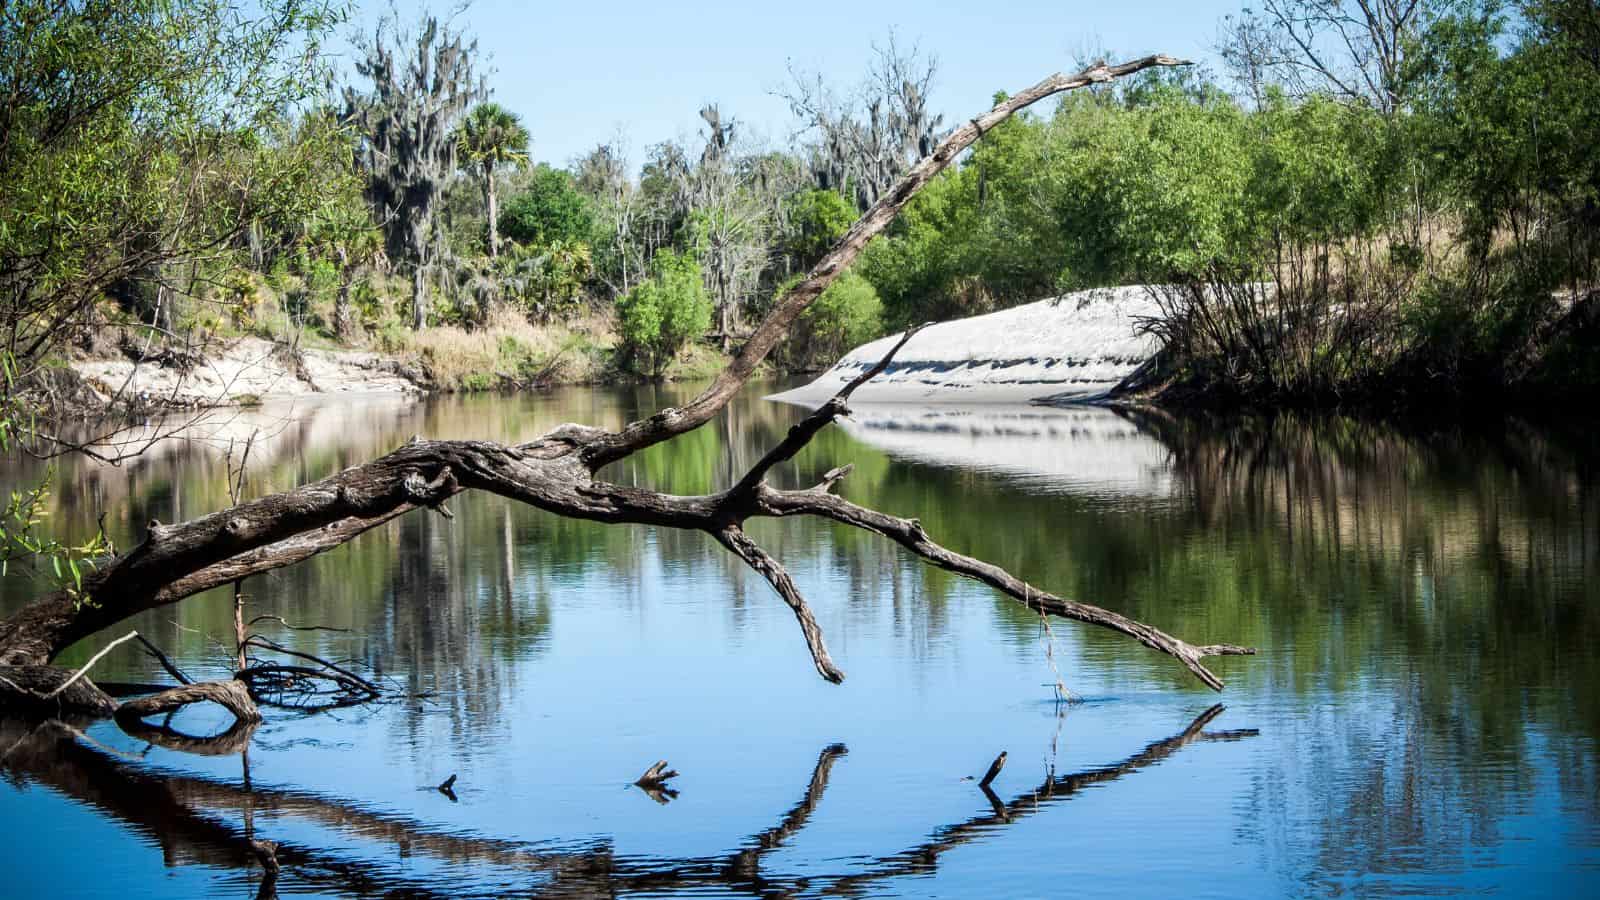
{"x": 604, "y": 447}
{"x": 734, "y": 538}
{"x": 557, "y": 473}
{"x": 230, "y": 695}
{"x": 994, "y": 770}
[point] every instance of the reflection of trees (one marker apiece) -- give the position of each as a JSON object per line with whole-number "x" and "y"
{"x": 1447, "y": 578}
{"x": 1448, "y": 575}
{"x": 192, "y": 820}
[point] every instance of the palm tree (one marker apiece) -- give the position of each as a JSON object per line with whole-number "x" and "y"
{"x": 488, "y": 138}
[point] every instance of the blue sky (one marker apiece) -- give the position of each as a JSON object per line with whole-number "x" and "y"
{"x": 578, "y": 73}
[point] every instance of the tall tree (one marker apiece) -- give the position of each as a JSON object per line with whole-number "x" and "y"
{"x": 1354, "y": 49}
{"x": 728, "y": 223}
{"x": 492, "y": 136}
{"x": 866, "y": 139}
{"x": 419, "y": 84}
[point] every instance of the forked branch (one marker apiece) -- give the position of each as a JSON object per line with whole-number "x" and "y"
{"x": 752, "y": 496}
{"x": 605, "y": 447}
{"x": 734, "y": 538}
{"x": 556, "y": 473}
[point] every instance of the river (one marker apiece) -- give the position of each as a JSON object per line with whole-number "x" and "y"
{"x": 1422, "y": 718}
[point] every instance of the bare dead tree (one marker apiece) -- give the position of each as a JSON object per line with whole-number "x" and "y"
{"x": 1349, "y": 48}
{"x": 868, "y": 138}
{"x": 729, "y": 223}
{"x": 602, "y": 175}
{"x": 559, "y": 472}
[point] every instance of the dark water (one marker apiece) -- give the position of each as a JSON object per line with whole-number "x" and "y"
{"x": 1423, "y": 719}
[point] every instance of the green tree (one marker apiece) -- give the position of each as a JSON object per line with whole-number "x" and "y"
{"x": 490, "y": 137}
{"x": 817, "y": 218}
{"x": 664, "y": 312}
{"x": 549, "y": 209}
{"x": 548, "y": 280}
{"x": 846, "y": 315}
{"x": 141, "y": 141}
{"x": 342, "y": 229}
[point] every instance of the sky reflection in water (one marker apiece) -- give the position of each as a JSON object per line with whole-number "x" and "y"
{"x": 1422, "y": 720}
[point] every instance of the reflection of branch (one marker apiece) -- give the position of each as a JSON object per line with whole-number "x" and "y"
{"x": 745, "y": 865}
{"x": 168, "y": 808}
{"x": 235, "y": 740}
{"x": 923, "y": 859}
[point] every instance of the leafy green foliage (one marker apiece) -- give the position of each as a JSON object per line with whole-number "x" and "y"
{"x": 22, "y": 519}
{"x": 491, "y": 136}
{"x": 166, "y": 144}
{"x": 549, "y": 209}
{"x": 664, "y": 312}
{"x": 845, "y": 316}
{"x": 547, "y": 281}
{"x": 817, "y": 219}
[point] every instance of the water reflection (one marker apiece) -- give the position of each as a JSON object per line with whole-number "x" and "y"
{"x": 211, "y": 822}
{"x": 1428, "y": 600}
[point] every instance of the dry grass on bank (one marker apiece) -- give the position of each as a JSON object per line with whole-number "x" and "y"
{"x": 509, "y": 351}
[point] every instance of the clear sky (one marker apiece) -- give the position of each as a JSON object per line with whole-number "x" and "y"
{"x": 581, "y": 72}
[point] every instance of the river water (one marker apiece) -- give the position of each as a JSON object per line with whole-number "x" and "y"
{"x": 1422, "y": 719}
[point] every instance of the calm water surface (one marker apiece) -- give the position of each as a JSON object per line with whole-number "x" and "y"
{"x": 1423, "y": 719}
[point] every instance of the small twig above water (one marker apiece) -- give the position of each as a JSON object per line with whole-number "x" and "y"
{"x": 654, "y": 782}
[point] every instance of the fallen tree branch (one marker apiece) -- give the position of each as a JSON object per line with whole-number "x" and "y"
{"x": 166, "y": 662}
{"x": 556, "y": 473}
{"x": 231, "y": 695}
{"x": 89, "y": 665}
{"x": 734, "y": 538}
{"x": 268, "y": 644}
{"x": 909, "y": 533}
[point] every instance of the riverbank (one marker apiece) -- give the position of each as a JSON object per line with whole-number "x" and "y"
{"x": 1147, "y": 346}
{"x": 1077, "y": 348}
{"x": 508, "y": 354}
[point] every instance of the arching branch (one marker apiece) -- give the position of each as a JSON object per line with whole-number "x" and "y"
{"x": 611, "y": 446}
{"x": 556, "y": 473}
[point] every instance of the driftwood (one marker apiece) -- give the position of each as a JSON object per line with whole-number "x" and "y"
{"x": 230, "y": 695}
{"x": 654, "y": 782}
{"x": 994, "y": 770}
{"x": 559, "y": 471}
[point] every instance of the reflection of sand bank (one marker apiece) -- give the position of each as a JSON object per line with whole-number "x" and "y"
{"x": 274, "y": 430}
{"x": 245, "y": 367}
{"x": 1077, "y": 449}
{"x": 1077, "y": 346}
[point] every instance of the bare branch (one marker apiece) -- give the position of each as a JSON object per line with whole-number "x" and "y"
{"x": 231, "y": 695}
{"x": 668, "y": 423}
{"x": 802, "y": 433}
{"x": 910, "y": 534}
{"x": 734, "y": 538}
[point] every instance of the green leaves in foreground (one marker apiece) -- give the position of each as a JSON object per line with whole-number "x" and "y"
{"x": 24, "y": 539}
